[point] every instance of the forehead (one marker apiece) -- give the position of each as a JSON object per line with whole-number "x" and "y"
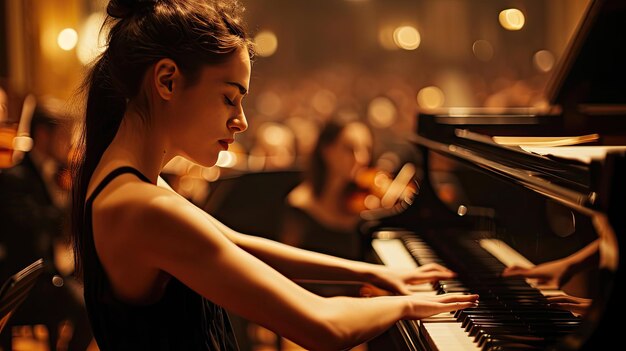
{"x": 236, "y": 69}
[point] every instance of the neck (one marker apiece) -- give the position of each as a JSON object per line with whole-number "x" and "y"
{"x": 138, "y": 144}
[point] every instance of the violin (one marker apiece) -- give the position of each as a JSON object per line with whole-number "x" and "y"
{"x": 376, "y": 188}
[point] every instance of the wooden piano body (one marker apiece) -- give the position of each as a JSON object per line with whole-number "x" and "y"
{"x": 484, "y": 205}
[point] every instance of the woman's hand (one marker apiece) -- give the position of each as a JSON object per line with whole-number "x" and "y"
{"x": 551, "y": 274}
{"x": 576, "y": 305}
{"x": 397, "y": 281}
{"x": 426, "y": 306}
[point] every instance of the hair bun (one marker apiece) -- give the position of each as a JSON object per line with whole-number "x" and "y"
{"x": 127, "y": 8}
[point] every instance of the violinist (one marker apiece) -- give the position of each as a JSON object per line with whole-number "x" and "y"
{"x": 318, "y": 215}
{"x": 323, "y": 211}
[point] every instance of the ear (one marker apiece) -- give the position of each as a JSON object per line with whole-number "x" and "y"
{"x": 166, "y": 76}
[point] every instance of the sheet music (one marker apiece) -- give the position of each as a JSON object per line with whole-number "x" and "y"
{"x": 584, "y": 154}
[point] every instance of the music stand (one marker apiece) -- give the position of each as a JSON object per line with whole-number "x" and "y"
{"x": 15, "y": 290}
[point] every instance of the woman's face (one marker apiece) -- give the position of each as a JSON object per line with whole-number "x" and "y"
{"x": 351, "y": 152}
{"x": 208, "y": 114}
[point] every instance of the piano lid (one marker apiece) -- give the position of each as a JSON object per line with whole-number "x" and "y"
{"x": 592, "y": 69}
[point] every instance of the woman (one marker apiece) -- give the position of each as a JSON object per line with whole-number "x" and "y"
{"x": 320, "y": 215}
{"x": 157, "y": 270}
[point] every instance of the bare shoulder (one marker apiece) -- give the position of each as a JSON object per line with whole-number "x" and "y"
{"x": 150, "y": 222}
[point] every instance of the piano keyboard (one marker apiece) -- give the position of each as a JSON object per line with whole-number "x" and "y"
{"x": 512, "y": 314}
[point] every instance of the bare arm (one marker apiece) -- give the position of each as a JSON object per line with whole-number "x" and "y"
{"x": 299, "y": 264}
{"x": 171, "y": 235}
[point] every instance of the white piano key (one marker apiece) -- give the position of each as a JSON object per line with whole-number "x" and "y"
{"x": 448, "y": 336}
{"x": 504, "y": 253}
{"x": 393, "y": 253}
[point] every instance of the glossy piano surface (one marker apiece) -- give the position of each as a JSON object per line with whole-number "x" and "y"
{"x": 485, "y": 204}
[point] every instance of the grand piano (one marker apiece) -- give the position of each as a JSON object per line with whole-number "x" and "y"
{"x": 489, "y": 199}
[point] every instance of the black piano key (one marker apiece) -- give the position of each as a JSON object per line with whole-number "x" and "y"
{"x": 511, "y": 314}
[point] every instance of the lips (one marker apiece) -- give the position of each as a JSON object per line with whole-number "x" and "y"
{"x": 225, "y": 142}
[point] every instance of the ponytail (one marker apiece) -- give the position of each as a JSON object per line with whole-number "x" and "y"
{"x": 105, "y": 108}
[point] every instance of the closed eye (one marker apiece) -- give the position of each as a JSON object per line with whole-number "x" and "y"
{"x": 228, "y": 101}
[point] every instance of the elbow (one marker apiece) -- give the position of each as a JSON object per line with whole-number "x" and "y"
{"x": 328, "y": 335}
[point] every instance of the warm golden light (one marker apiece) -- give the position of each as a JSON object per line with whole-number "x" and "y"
{"x": 324, "y": 101}
{"x": 543, "y": 60}
{"x": 388, "y": 161}
{"x": 511, "y": 19}
{"x": 483, "y": 50}
{"x": 381, "y": 112}
{"x": 91, "y": 43}
{"x": 371, "y": 202}
{"x": 406, "y": 37}
{"x": 269, "y": 103}
{"x": 211, "y": 174}
{"x": 276, "y": 134}
{"x": 266, "y": 43}
{"x": 305, "y": 131}
{"x": 67, "y": 39}
{"x": 430, "y": 97}
{"x": 226, "y": 159}
{"x": 385, "y": 38}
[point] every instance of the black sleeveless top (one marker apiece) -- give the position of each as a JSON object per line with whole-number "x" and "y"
{"x": 180, "y": 320}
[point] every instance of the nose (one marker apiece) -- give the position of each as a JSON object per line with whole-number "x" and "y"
{"x": 239, "y": 123}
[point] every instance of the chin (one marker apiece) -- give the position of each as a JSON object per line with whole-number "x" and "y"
{"x": 206, "y": 161}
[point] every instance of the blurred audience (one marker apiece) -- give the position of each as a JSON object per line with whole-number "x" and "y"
{"x": 34, "y": 208}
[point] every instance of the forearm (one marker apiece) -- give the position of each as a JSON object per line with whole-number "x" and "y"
{"x": 296, "y": 263}
{"x": 301, "y": 264}
{"x": 347, "y": 322}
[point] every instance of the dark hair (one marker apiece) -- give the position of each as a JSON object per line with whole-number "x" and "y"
{"x": 317, "y": 167}
{"x": 193, "y": 33}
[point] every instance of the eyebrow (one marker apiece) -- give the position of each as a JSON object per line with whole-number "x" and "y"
{"x": 242, "y": 90}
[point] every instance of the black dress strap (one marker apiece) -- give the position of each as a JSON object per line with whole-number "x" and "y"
{"x": 116, "y": 172}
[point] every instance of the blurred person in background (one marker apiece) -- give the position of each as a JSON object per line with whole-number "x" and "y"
{"x": 320, "y": 216}
{"x": 34, "y": 204}
{"x": 7, "y": 132}
{"x": 323, "y": 212}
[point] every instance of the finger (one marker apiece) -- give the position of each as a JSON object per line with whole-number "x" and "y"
{"x": 565, "y": 298}
{"x": 458, "y": 298}
{"x": 572, "y": 307}
{"x": 455, "y": 306}
{"x": 522, "y": 272}
{"x": 432, "y": 277}
{"x": 513, "y": 271}
{"x": 559, "y": 298}
{"x": 404, "y": 290}
{"x": 434, "y": 267}
{"x": 437, "y": 275}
